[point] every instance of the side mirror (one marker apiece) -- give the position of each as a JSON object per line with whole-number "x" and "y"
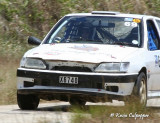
{"x": 34, "y": 41}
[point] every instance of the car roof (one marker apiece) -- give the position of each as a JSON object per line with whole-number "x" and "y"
{"x": 109, "y": 13}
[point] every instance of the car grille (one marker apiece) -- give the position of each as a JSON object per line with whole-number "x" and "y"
{"x": 74, "y": 69}
{"x": 71, "y": 66}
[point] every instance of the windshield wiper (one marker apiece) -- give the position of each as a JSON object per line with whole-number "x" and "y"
{"x": 86, "y": 41}
{"x": 124, "y": 43}
{"x": 95, "y": 41}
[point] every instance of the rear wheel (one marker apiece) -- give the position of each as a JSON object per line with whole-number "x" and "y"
{"x": 27, "y": 102}
{"x": 77, "y": 102}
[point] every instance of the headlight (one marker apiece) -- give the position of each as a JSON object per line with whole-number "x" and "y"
{"x": 112, "y": 67}
{"x": 34, "y": 63}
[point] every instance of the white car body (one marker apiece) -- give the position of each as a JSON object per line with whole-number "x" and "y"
{"x": 140, "y": 59}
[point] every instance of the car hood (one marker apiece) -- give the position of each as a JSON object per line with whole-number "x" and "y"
{"x": 92, "y": 53}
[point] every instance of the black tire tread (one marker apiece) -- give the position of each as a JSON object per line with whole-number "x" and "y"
{"x": 27, "y": 102}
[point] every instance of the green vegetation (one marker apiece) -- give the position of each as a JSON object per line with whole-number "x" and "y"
{"x": 20, "y": 18}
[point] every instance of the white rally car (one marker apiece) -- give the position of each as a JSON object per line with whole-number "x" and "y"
{"x": 92, "y": 57}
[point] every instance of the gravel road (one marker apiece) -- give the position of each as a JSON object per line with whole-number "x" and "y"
{"x": 54, "y": 112}
{"x": 46, "y": 113}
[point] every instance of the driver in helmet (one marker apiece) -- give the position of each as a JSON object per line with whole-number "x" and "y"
{"x": 85, "y": 33}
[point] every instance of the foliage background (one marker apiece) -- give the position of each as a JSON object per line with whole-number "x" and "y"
{"x": 22, "y": 18}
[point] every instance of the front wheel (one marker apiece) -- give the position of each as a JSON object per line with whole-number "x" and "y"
{"x": 140, "y": 89}
{"x": 27, "y": 102}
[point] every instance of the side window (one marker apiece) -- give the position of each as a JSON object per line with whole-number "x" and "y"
{"x": 153, "y": 38}
{"x": 158, "y": 22}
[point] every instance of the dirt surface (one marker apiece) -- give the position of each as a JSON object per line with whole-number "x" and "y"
{"x": 54, "y": 112}
{"x": 46, "y": 113}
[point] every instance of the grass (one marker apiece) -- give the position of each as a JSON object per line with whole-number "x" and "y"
{"x": 8, "y": 80}
{"x": 10, "y": 56}
{"x": 115, "y": 114}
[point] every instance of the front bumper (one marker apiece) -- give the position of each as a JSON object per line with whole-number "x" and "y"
{"x": 32, "y": 81}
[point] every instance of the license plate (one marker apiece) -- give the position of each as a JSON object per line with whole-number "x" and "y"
{"x": 68, "y": 79}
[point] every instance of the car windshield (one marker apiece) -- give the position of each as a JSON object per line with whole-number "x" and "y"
{"x": 96, "y": 30}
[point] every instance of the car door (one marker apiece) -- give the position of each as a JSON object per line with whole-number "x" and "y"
{"x": 153, "y": 55}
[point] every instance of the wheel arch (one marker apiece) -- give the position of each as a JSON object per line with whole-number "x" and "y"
{"x": 144, "y": 70}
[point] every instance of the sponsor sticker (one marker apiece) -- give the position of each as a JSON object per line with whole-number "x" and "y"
{"x": 136, "y": 20}
{"x": 128, "y": 19}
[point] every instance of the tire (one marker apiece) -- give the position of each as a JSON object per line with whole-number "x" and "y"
{"x": 77, "y": 102}
{"x": 140, "y": 90}
{"x": 27, "y": 102}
